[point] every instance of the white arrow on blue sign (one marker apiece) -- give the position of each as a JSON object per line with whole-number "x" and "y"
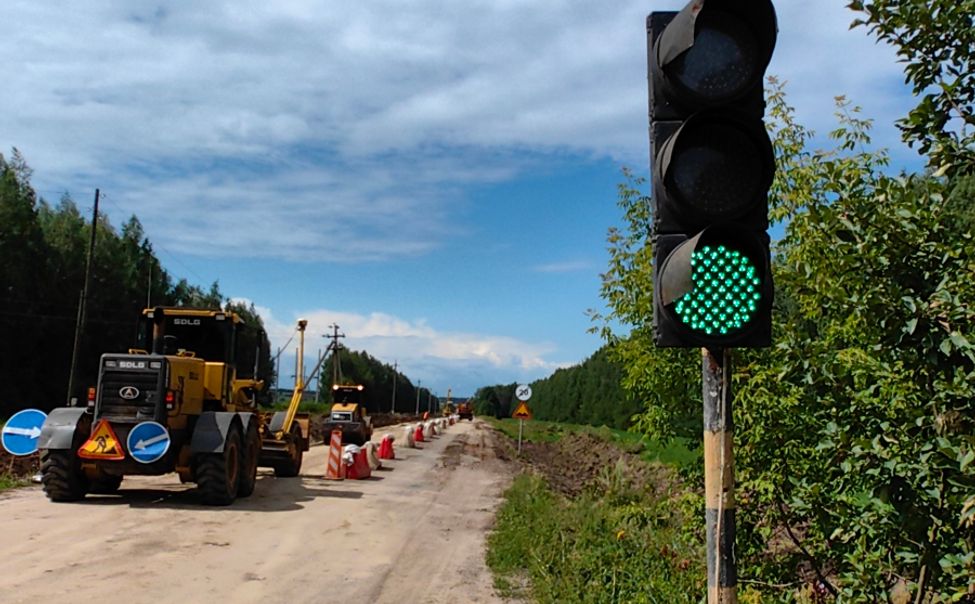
{"x": 148, "y": 442}
{"x": 21, "y": 431}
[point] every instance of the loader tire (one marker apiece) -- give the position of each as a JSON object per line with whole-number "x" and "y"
{"x": 218, "y": 474}
{"x": 291, "y": 467}
{"x": 62, "y": 476}
{"x": 249, "y": 454}
{"x": 105, "y": 486}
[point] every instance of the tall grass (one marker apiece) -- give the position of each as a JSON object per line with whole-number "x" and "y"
{"x": 611, "y": 545}
{"x": 11, "y": 482}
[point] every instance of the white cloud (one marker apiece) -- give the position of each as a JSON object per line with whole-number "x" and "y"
{"x": 349, "y": 130}
{"x": 440, "y": 359}
{"x": 343, "y": 131}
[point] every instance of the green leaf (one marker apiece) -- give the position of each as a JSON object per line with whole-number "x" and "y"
{"x": 910, "y": 326}
{"x": 967, "y": 459}
{"x": 959, "y": 340}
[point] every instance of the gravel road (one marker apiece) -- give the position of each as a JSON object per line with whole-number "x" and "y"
{"x": 413, "y": 533}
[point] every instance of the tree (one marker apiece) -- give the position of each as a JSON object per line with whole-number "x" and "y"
{"x": 25, "y": 294}
{"x": 936, "y": 41}
{"x": 666, "y": 382}
{"x": 43, "y": 253}
{"x": 587, "y": 393}
{"x": 855, "y": 437}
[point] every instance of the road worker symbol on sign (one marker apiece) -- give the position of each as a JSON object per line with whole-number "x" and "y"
{"x": 103, "y": 444}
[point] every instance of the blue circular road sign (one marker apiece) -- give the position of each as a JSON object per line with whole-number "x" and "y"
{"x": 21, "y": 431}
{"x": 148, "y": 442}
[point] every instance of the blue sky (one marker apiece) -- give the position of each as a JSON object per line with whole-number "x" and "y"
{"x": 436, "y": 178}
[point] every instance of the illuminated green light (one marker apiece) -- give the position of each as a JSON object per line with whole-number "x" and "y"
{"x": 726, "y": 291}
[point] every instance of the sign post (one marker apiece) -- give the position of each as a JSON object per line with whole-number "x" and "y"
{"x": 523, "y": 392}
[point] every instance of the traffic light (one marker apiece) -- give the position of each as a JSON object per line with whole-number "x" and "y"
{"x": 711, "y": 168}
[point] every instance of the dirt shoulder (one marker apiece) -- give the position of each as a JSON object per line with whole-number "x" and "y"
{"x": 579, "y": 461}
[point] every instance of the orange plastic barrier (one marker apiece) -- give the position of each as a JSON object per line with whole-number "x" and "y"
{"x": 386, "y": 448}
{"x": 360, "y": 469}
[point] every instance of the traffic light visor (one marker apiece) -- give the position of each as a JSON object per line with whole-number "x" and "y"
{"x": 716, "y": 51}
{"x": 716, "y": 166}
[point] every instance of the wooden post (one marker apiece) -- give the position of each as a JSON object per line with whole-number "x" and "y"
{"x": 719, "y": 477}
{"x": 79, "y": 327}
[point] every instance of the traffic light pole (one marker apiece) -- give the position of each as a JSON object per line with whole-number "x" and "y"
{"x": 719, "y": 477}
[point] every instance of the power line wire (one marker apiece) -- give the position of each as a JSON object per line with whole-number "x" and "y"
{"x": 157, "y": 245}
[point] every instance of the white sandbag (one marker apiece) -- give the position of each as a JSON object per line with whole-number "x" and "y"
{"x": 374, "y": 462}
{"x": 349, "y": 453}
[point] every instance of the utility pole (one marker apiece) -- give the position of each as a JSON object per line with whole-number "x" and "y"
{"x": 82, "y": 302}
{"x": 417, "y": 412}
{"x": 318, "y": 381}
{"x": 392, "y": 408}
{"x": 334, "y": 346}
{"x": 277, "y": 375}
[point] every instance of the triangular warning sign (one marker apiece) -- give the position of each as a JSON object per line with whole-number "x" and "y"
{"x": 103, "y": 444}
{"x": 522, "y": 411}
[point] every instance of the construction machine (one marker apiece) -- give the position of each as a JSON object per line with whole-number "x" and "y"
{"x": 349, "y": 415}
{"x": 183, "y": 401}
{"x": 465, "y": 410}
{"x": 448, "y": 407}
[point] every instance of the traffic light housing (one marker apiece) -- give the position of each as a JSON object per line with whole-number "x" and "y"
{"x": 711, "y": 168}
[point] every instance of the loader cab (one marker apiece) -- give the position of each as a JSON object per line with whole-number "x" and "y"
{"x": 228, "y": 348}
{"x": 214, "y": 335}
{"x": 347, "y": 395}
{"x": 347, "y": 403}
{"x": 202, "y": 333}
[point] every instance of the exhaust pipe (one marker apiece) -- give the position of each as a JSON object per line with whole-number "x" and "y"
{"x": 158, "y": 330}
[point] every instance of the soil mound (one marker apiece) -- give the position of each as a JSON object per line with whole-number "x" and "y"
{"x": 582, "y": 461}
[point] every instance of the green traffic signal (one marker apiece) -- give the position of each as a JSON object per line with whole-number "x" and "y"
{"x": 726, "y": 291}
{"x": 712, "y": 165}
